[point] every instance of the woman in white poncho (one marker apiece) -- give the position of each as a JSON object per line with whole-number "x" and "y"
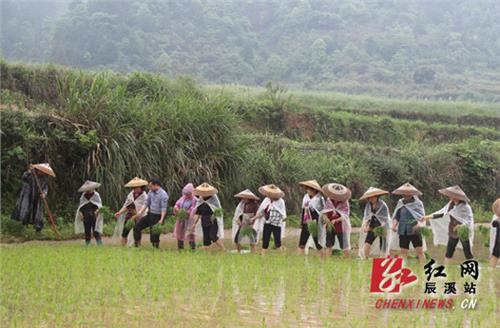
{"x": 243, "y": 225}
{"x": 208, "y": 212}
{"x": 87, "y": 218}
{"x": 312, "y": 205}
{"x": 272, "y": 216}
{"x": 406, "y": 220}
{"x": 335, "y": 219}
{"x": 494, "y": 234}
{"x": 135, "y": 201}
{"x": 445, "y": 222}
{"x": 376, "y": 214}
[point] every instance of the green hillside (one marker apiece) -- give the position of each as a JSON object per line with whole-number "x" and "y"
{"x": 111, "y": 127}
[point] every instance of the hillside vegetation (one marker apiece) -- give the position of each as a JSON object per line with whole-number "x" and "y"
{"x": 110, "y": 127}
{"x": 409, "y": 49}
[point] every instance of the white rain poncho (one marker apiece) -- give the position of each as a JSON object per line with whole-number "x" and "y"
{"x": 493, "y": 233}
{"x": 317, "y": 204}
{"x": 417, "y": 210}
{"x": 139, "y": 203}
{"x": 342, "y": 209}
{"x": 246, "y": 216}
{"x": 96, "y": 200}
{"x": 214, "y": 203}
{"x": 462, "y": 212}
{"x": 278, "y": 205}
{"x": 384, "y": 217}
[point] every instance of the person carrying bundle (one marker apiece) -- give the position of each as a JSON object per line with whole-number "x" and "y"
{"x": 88, "y": 220}
{"x": 272, "y": 211}
{"x": 453, "y": 223}
{"x": 29, "y": 204}
{"x": 243, "y": 225}
{"x": 127, "y": 215}
{"x": 208, "y": 210}
{"x": 408, "y": 213}
{"x": 156, "y": 207}
{"x": 312, "y": 205}
{"x": 336, "y": 220}
{"x": 184, "y": 210}
{"x": 376, "y": 224}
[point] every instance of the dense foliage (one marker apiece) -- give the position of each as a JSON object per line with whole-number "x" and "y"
{"x": 110, "y": 128}
{"x": 431, "y": 49}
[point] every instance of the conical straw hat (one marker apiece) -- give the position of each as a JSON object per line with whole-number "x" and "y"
{"x": 496, "y": 207}
{"x": 271, "y": 191}
{"x": 205, "y": 190}
{"x": 337, "y": 192}
{"x": 407, "y": 190}
{"x": 44, "y": 168}
{"x": 247, "y": 194}
{"x": 89, "y": 186}
{"x": 372, "y": 192}
{"x": 313, "y": 184}
{"x": 136, "y": 182}
{"x": 454, "y": 192}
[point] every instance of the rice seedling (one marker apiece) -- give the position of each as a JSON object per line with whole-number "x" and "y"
{"x": 218, "y": 212}
{"x": 129, "y": 224}
{"x": 159, "y": 229}
{"x": 425, "y": 231}
{"x": 312, "y": 227}
{"x": 379, "y": 231}
{"x": 182, "y": 214}
{"x": 330, "y": 227}
{"x": 246, "y": 231}
{"x": 463, "y": 232}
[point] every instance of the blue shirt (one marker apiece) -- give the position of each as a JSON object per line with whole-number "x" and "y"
{"x": 157, "y": 201}
{"x": 406, "y": 222}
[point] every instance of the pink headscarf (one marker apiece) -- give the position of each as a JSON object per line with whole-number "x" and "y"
{"x": 188, "y": 189}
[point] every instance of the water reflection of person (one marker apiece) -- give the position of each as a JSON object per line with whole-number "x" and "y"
{"x": 29, "y": 207}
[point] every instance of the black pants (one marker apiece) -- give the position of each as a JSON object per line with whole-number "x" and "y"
{"x": 330, "y": 239}
{"x": 266, "y": 236}
{"x": 180, "y": 244}
{"x": 304, "y": 236}
{"x": 452, "y": 244}
{"x": 148, "y": 221}
{"x": 210, "y": 232}
{"x": 89, "y": 221}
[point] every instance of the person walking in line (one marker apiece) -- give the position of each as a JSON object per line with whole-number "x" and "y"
{"x": 156, "y": 207}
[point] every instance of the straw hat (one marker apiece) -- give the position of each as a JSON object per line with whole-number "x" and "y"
{"x": 454, "y": 192}
{"x": 89, "y": 186}
{"x": 337, "y": 192}
{"x": 407, "y": 190}
{"x": 44, "y": 168}
{"x": 496, "y": 207}
{"x": 136, "y": 182}
{"x": 271, "y": 191}
{"x": 246, "y": 194}
{"x": 373, "y": 192}
{"x": 205, "y": 190}
{"x": 313, "y": 184}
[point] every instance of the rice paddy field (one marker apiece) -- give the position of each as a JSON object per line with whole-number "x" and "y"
{"x": 64, "y": 284}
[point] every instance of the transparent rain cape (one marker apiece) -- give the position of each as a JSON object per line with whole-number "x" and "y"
{"x": 96, "y": 200}
{"x": 139, "y": 204}
{"x": 384, "y": 217}
{"x": 417, "y": 210}
{"x": 343, "y": 210}
{"x": 279, "y": 206}
{"x": 493, "y": 233}
{"x": 237, "y": 213}
{"x": 461, "y": 212}
{"x": 214, "y": 203}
